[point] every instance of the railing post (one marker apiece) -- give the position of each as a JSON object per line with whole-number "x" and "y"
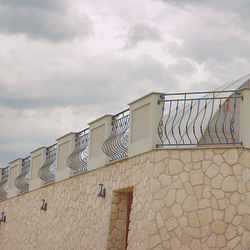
{"x": 37, "y": 159}
{"x": 145, "y": 114}
{"x": 65, "y": 146}
{"x": 15, "y": 168}
{"x": 245, "y": 118}
{"x": 99, "y": 131}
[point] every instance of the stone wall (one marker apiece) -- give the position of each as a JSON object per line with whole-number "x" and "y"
{"x": 183, "y": 199}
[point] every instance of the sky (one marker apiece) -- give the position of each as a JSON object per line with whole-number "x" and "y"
{"x": 66, "y": 63}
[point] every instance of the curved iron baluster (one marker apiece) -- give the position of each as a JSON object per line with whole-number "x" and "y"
{"x": 22, "y": 181}
{"x": 165, "y": 126}
{"x": 3, "y": 183}
{"x": 160, "y": 125}
{"x": 116, "y": 145}
{"x": 232, "y": 120}
{"x": 205, "y": 109}
{"x": 48, "y": 170}
{"x": 78, "y": 159}
{"x": 172, "y": 127}
{"x": 195, "y": 121}
{"x": 223, "y": 127}
{"x": 216, "y": 122}
{"x": 191, "y": 107}
{"x": 208, "y": 126}
{"x": 179, "y": 128}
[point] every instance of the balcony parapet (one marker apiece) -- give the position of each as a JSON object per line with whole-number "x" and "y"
{"x": 116, "y": 145}
{"x": 48, "y": 169}
{"x": 22, "y": 181}
{"x": 78, "y": 159}
{"x": 4, "y": 183}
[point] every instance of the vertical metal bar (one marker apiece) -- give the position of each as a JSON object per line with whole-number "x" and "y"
{"x": 165, "y": 126}
{"x": 208, "y": 126}
{"x": 201, "y": 130}
{"x": 179, "y": 128}
{"x": 195, "y": 121}
{"x": 233, "y": 121}
{"x": 215, "y": 126}
{"x": 223, "y": 124}
{"x": 191, "y": 106}
{"x": 172, "y": 127}
{"x": 160, "y": 125}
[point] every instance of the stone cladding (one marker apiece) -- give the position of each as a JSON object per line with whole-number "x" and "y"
{"x": 187, "y": 199}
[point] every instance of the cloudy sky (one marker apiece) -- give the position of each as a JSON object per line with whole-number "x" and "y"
{"x": 64, "y": 63}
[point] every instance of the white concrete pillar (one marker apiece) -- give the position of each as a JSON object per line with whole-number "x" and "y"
{"x": 99, "y": 131}
{"x": 145, "y": 114}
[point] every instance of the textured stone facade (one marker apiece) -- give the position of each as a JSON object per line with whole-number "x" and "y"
{"x": 183, "y": 199}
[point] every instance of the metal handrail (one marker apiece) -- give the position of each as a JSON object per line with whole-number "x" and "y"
{"x": 48, "y": 169}
{"x": 22, "y": 181}
{"x": 4, "y": 183}
{"x": 116, "y": 145}
{"x": 208, "y": 120}
{"x": 78, "y": 159}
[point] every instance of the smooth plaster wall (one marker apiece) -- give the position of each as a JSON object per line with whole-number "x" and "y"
{"x": 183, "y": 199}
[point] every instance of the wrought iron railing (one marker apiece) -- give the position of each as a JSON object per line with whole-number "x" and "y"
{"x": 4, "y": 183}
{"x": 78, "y": 159}
{"x": 193, "y": 120}
{"x": 22, "y": 181}
{"x": 48, "y": 170}
{"x": 116, "y": 146}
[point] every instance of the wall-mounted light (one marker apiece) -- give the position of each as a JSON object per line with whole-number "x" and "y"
{"x": 3, "y": 218}
{"x": 101, "y": 191}
{"x": 44, "y": 205}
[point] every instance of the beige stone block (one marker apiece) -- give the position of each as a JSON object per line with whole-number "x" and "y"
{"x": 153, "y": 241}
{"x": 211, "y": 242}
{"x": 184, "y": 176}
{"x": 190, "y": 204}
{"x": 207, "y": 191}
{"x": 237, "y": 168}
{"x": 205, "y": 216}
{"x": 218, "y": 194}
{"x": 237, "y": 220}
{"x": 243, "y": 209}
{"x": 218, "y": 215}
{"x": 175, "y": 154}
{"x": 114, "y": 208}
{"x": 159, "y": 221}
{"x": 229, "y": 184}
{"x": 166, "y": 213}
{"x": 245, "y": 242}
{"x": 230, "y": 212}
{"x": 165, "y": 180}
{"x": 171, "y": 223}
{"x": 161, "y": 155}
{"x": 159, "y": 168}
{"x": 197, "y": 165}
{"x": 212, "y": 170}
{"x": 240, "y": 230}
{"x": 234, "y": 199}
{"x": 230, "y": 232}
{"x": 183, "y": 221}
{"x": 166, "y": 244}
{"x": 223, "y": 203}
{"x": 184, "y": 247}
{"x": 186, "y": 240}
{"x": 152, "y": 229}
{"x": 155, "y": 185}
{"x": 217, "y": 159}
{"x": 218, "y": 227}
{"x": 180, "y": 196}
{"x": 175, "y": 243}
{"x": 196, "y": 177}
{"x": 185, "y": 156}
{"x": 226, "y": 170}
{"x": 242, "y": 187}
{"x": 209, "y": 154}
{"x": 113, "y": 216}
{"x": 151, "y": 215}
{"x": 221, "y": 241}
{"x": 205, "y": 231}
{"x": 176, "y": 185}
{"x": 198, "y": 191}
{"x": 214, "y": 203}
{"x": 160, "y": 195}
{"x": 123, "y": 205}
{"x": 217, "y": 181}
{"x": 246, "y": 175}
{"x": 232, "y": 243}
{"x": 170, "y": 198}
{"x": 204, "y": 203}
{"x": 195, "y": 245}
{"x": 157, "y": 205}
{"x": 248, "y": 198}
{"x": 188, "y": 188}
{"x": 175, "y": 167}
{"x": 197, "y": 155}
{"x": 164, "y": 234}
{"x": 188, "y": 167}
{"x": 248, "y": 186}
{"x": 244, "y": 159}
{"x": 218, "y": 150}
{"x": 193, "y": 220}
{"x": 231, "y": 156}
{"x": 204, "y": 165}
{"x": 176, "y": 210}
{"x": 192, "y": 231}
{"x": 246, "y": 222}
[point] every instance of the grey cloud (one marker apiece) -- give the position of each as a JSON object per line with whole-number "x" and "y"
{"x": 141, "y": 32}
{"x": 52, "y": 21}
